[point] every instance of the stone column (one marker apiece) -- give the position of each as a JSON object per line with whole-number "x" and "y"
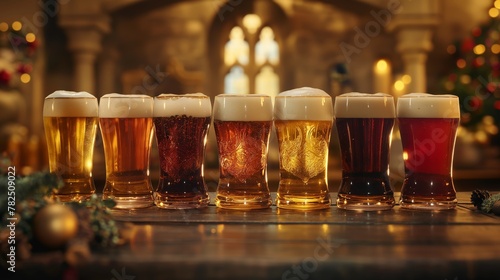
{"x": 413, "y": 26}
{"x": 107, "y": 70}
{"x": 84, "y": 41}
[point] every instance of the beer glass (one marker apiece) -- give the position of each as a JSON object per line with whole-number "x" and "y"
{"x": 127, "y": 131}
{"x": 303, "y": 121}
{"x": 70, "y": 122}
{"x": 364, "y": 124}
{"x": 181, "y": 123}
{"x": 242, "y": 127}
{"x": 428, "y": 125}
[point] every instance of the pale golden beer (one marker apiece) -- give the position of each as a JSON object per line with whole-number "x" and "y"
{"x": 242, "y": 126}
{"x": 127, "y": 131}
{"x": 303, "y": 121}
{"x": 70, "y": 122}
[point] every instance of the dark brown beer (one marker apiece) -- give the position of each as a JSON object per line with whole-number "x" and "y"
{"x": 364, "y": 145}
{"x": 181, "y": 144}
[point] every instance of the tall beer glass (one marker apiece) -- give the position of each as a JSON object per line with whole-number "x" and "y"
{"x": 364, "y": 124}
{"x": 127, "y": 130}
{"x": 181, "y": 123}
{"x": 70, "y": 121}
{"x": 428, "y": 125}
{"x": 242, "y": 126}
{"x": 303, "y": 121}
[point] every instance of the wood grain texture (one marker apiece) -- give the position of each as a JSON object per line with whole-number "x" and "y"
{"x": 276, "y": 244}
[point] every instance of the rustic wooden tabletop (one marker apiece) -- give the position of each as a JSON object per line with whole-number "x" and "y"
{"x": 275, "y": 244}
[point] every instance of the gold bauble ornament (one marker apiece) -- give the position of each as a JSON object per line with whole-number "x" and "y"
{"x": 54, "y": 225}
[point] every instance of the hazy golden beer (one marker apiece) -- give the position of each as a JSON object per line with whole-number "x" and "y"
{"x": 70, "y": 122}
{"x": 181, "y": 123}
{"x": 364, "y": 124}
{"x": 428, "y": 125}
{"x": 303, "y": 121}
{"x": 242, "y": 126}
{"x": 127, "y": 131}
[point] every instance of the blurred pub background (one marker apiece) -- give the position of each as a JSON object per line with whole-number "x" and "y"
{"x": 261, "y": 46}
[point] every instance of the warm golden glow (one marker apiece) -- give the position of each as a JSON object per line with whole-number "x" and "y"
{"x": 461, "y": 63}
{"x": 465, "y": 79}
{"x": 451, "y": 49}
{"x": 30, "y": 37}
{"x": 4, "y": 26}
{"x": 495, "y": 48}
{"x": 16, "y": 25}
{"x": 406, "y": 79}
{"x": 381, "y": 65}
{"x": 493, "y": 12}
{"x": 497, "y": 4}
{"x": 479, "y": 49}
{"x": 399, "y": 85}
{"x": 405, "y": 156}
{"x": 252, "y": 22}
{"x": 26, "y": 78}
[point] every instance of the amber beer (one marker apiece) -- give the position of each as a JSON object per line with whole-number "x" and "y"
{"x": 428, "y": 125}
{"x": 242, "y": 126}
{"x": 181, "y": 123}
{"x": 303, "y": 121}
{"x": 70, "y": 121}
{"x": 127, "y": 129}
{"x": 364, "y": 124}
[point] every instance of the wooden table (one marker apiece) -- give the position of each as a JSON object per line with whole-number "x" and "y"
{"x": 274, "y": 244}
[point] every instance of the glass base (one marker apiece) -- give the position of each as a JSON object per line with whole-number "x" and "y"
{"x": 427, "y": 203}
{"x": 306, "y": 203}
{"x": 246, "y": 202}
{"x": 365, "y": 203}
{"x": 74, "y": 197}
{"x": 165, "y": 201}
{"x": 131, "y": 202}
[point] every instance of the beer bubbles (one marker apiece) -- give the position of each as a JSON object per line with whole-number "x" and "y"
{"x": 70, "y": 122}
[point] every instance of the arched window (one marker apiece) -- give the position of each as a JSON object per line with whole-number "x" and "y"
{"x": 251, "y": 59}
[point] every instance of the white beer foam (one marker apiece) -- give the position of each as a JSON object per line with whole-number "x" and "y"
{"x": 243, "y": 107}
{"x": 114, "y": 105}
{"x": 424, "y": 105}
{"x": 364, "y": 105}
{"x": 63, "y": 103}
{"x": 303, "y": 104}
{"x": 191, "y": 104}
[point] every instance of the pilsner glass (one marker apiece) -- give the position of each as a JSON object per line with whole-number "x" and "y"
{"x": 70, "y": 121}
{"x": 303, "y": 121}
{"x": 242, "y": 126}
{"x": 364, "y": 124}
{"x": 181, "y": 123}
{"x": 428, "y": 125}
{"x": 127, "y": 131}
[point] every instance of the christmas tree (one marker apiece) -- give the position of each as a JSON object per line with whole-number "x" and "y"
{"x": 476, "y": 79}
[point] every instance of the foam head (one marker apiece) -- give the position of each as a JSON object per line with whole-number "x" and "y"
{"x": 364, "y": 105}
{"x": 70, "y": 104}
{"x": 116, "y": 105}
{"x": 243, "y": 107}
{"x": 192, "y": 104}
{"x": 424, "y": 105}
{"x": 303, "y": 104}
